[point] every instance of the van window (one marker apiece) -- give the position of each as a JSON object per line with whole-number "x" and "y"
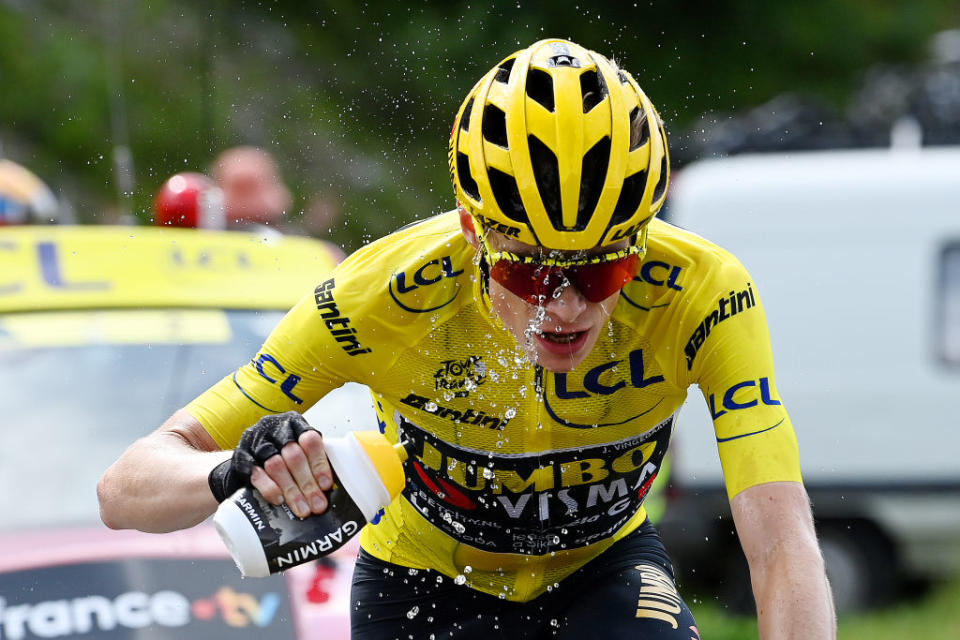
{"x": 948, "y": 337}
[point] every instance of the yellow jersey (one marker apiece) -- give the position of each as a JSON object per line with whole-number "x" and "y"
{"x": 517, "y": 476}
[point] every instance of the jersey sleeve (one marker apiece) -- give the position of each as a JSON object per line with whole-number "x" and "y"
{"x": 729, "y": 356}
{"x": 334, "y": 334}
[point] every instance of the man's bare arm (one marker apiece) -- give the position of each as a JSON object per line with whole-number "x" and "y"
{"x": 776, "y": 530}
{"x": 159, "y": 484}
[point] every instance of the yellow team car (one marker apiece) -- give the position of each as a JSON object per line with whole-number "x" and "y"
{"x": 104, "y": 332}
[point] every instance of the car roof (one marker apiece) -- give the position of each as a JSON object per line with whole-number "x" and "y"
{"x": 96, "y": 267}
{"x": 794, "y": 192}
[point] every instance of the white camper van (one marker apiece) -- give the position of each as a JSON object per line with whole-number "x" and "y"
{"x": 856, "y": 256}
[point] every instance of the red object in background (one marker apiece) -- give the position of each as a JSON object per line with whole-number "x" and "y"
{"x": 190, "y": 199}
{"x": 319, "y": 591}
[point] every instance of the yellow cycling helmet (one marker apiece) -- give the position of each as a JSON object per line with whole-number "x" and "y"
{"x": 558, "y": 147}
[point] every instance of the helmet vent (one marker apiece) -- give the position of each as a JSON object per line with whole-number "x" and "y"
{"x": 495, "y": 125}
{"x": 564, "y": 60}
{"x": 467, "y": 182}
{"x": 503, "y": 71}
{"x": 639, "y": 131}
{"x": 540, "y": 88}
{"x": 592, "y": 177}
{"x": 630, "y": 196}
{"x": 507, "y": 195}
{"x": 465, "y": 118}
{"x": 592, "y": 89}
{"x": 546, "y": 171}
{"x": 662, "y": 183}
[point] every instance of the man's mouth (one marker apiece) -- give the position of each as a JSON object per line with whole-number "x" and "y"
{"x": 562, "y": 338}
{"x": 562, "y": 343}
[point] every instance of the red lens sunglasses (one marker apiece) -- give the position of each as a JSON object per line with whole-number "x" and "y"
{"x": 537, "y": 280}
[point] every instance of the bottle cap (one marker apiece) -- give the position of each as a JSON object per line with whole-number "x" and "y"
{"x": 387, "y": 459}
{"x": 240, "y": 536}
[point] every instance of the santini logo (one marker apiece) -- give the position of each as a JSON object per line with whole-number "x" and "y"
{"x": 726, "y": 308}
{"x": 338, "y": 326}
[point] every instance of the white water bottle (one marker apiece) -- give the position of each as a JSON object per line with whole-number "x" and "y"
{"x": 264, "y": 538}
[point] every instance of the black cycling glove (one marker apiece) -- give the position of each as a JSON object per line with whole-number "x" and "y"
{"x": 261, "y": 441}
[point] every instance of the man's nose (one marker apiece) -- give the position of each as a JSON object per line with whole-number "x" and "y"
{"x": 568, "y": 305}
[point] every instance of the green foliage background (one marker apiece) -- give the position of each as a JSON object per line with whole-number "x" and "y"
{"x": 356, "y": 98}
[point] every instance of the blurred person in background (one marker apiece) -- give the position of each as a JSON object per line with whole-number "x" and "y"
{"x": 245, "y": 193}
{"x": 253, "y": 191}
{"x": 25, "y": 198}
{"x": 531, "y": 350}
{"x": 255, "y": 197}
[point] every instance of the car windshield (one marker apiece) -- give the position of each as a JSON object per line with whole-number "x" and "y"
{"x": 78, "y": 387}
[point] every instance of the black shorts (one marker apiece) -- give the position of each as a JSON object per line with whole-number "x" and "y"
{"x": 626, "y": 592}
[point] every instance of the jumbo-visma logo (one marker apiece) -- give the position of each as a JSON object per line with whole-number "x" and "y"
{"x": 135, "y": 610}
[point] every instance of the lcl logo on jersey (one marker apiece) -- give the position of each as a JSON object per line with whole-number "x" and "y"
{"x": 429, "y": 273}
{"x": 742, "y": 395}
{"x": 270, "y": 369}
{"x": 658, "y": 274}
{"x": 593, "y": 380}
{"x": 603, "y": 380}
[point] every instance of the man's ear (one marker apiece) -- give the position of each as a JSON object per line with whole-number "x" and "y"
{"x": 468, "y": 228}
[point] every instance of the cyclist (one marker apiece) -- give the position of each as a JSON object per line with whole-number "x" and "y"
{"x": 531, "y": 349}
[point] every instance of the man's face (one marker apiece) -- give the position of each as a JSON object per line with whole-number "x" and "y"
{"x": 559, "y": 333}
{"x": 252, "y": 188}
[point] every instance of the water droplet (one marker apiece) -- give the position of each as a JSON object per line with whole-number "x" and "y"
{"x": 431, "y": 407}
{"x": 413, "y": 612}
{"x": 510, "y": 413}
{"x": 460, "y": 579}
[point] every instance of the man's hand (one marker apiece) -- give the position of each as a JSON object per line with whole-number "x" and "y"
{"x": 283, "y": 458}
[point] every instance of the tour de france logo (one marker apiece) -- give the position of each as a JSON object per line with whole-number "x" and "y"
{"x": 457, "y": 378}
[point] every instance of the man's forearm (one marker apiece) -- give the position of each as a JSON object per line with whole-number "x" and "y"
{"x": 159, "y": 484}
{"x": 793, "y": 596}
{"x": 775, "y": 526}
